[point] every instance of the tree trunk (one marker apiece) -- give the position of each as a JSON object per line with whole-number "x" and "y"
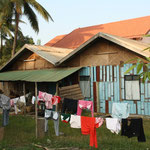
{"x": 16, "y": 34}
{"x": 1, "y": 49}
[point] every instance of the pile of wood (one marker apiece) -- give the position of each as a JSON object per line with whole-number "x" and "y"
{"x": 72, "y": 92}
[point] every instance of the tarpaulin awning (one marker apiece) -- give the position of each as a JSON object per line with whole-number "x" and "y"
{"x": 48, "y": 75}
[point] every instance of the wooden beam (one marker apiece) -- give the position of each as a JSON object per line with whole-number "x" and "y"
{"x": 36, "y": 113}
{"x": 120, "y": 90}
{"x": 57, "y": 93}
{"x": 24, "y": 92}
{"x": 97, "y": 96}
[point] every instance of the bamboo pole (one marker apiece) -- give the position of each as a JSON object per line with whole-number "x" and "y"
{"x": 36, "y": 112}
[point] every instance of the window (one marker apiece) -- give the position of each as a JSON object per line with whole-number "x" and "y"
{"x": 85, "y": 86}
{"x": 132, "y": 87}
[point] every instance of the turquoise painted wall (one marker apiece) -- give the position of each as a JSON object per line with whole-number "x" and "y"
{"x": 110, "y": 80}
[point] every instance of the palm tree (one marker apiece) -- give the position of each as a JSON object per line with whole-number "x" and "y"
{"x": 4, "y": 34}
{"x": 6, "y": 29}
{"x": 18, "y": 8}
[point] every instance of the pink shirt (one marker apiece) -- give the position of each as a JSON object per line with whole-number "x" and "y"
{"x": 82, "y": 104}
{"x": 42, "y": 95}
{"x": 48, "y": 101}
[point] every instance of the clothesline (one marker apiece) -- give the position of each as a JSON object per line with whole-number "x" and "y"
{"x": 115, "y": 123}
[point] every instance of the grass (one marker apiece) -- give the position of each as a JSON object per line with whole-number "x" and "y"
{"x": 20, "y": 135}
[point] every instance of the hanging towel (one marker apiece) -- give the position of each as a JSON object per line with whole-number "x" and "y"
{"x": 75, "y": 121}
{"x": 82, "y": 104}
{"x": 120, "y": 110}
{"x": 88, "y": 126}
{"x": 113, "y": 124}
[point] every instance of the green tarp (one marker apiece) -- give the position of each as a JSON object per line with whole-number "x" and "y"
{"x": 49, "y": 75}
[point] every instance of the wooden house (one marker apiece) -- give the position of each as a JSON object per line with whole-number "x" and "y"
{"x": 97, "y": 66}
{"x": 37, "y": 64}
{"x": 102, "y": 77}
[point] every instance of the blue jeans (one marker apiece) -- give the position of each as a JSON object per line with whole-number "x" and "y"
{"x": 5, "y": 117}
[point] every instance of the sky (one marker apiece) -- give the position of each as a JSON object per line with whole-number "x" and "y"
{"x": 71, "y": 14}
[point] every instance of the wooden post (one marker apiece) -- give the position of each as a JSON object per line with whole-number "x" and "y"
{"x": 36, "y": 112}
{"x": 97, "y": 96}
{"x": 24, "y": 92}
{"x": 57, "y": 93}
{"x": 120, "y": 89}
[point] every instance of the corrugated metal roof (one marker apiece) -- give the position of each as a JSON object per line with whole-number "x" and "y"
{"x": 132, "y": 45}
{"x": 49, "y": 75}
{"x": 51, "y": 54}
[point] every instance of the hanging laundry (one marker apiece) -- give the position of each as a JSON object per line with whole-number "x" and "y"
{"x": 4, "y": 102}
{"x": 48, "y": 101}
{"x": 65, "y": 117}
{"x": 120, "y": 110}
{"x": 41, "y": 95}
{"x": 55, "y": 100}
{"x": 56, "y": 126}
{"x": 33, "y": 99}
{"x": 13, "y": 102}
{"x": 82, "y": 104}
{"x": 5, "y": 105}
{"x": 16, "y": 100}
{"x": 5, "y": 117}
{"x": 49, "y": 114}
{"x": 88, "y": 126}
{"x": 22, "y": 99}
{"x": 132, "y": 128}
{"x": 75, "y": 121}
{"x": 70, "y": 106}
{"x": 98, "y": 121}
{"x": 113, "y": 124}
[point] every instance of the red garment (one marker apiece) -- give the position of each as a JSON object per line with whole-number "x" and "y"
{"x": 55, "y": 99}
{"x": 88, "y": 126}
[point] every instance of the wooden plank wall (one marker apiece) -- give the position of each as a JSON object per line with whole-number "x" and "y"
{"x": 107, "y": 86}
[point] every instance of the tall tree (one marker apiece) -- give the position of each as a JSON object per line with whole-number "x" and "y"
{"x": 18, "y": 8}
{"x": 6, "y": 29}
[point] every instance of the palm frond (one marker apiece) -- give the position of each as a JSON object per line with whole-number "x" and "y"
{"x": 40, "y": 9}
{"x": 31, "y": 16}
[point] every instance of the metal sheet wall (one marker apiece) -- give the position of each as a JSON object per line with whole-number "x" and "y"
{"x": 107, "y": 86}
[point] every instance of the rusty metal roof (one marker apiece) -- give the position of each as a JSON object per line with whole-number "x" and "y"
{"x": 130, "y": 28}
